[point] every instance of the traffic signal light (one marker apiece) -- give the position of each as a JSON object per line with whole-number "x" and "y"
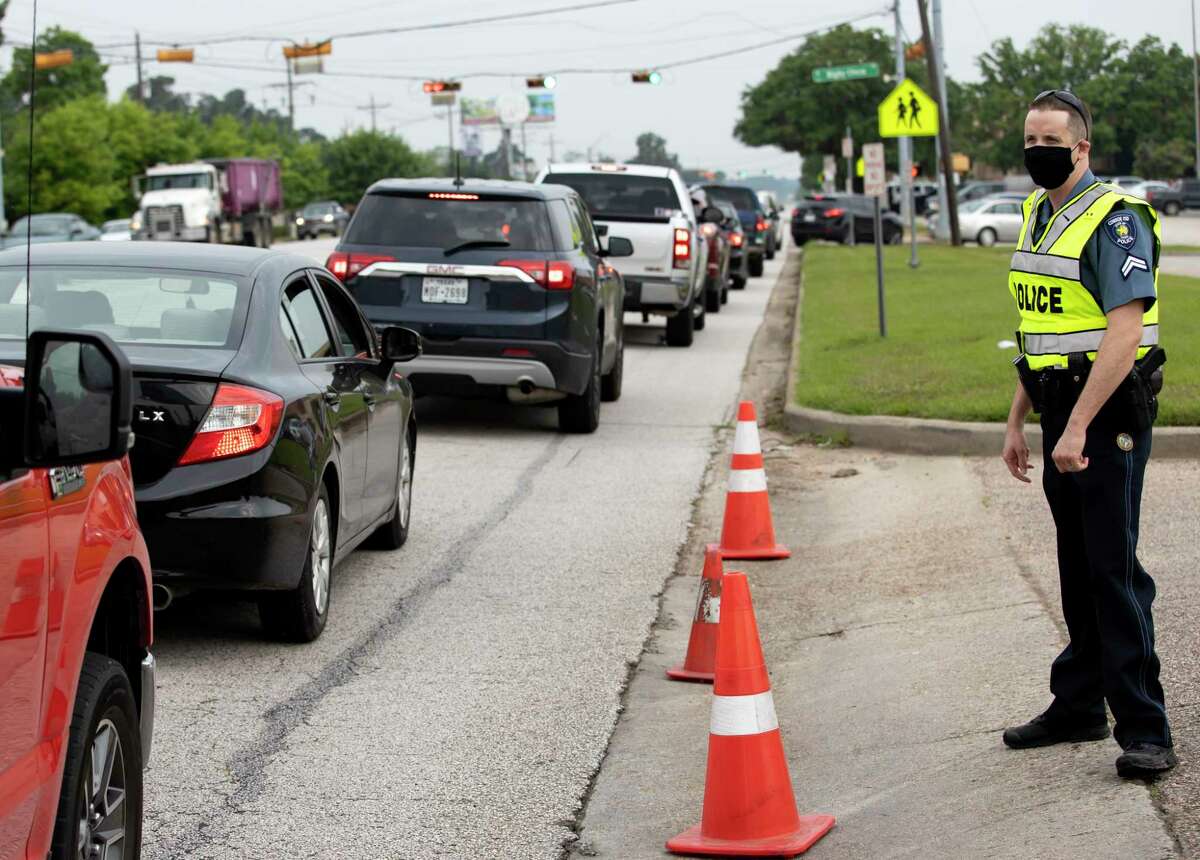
{"x": 915, "y": 51}
{"x": 320, "y": 49}
{"x": 646, "y": 77}
{"x": 54, "y": 59}
{"x": 542, "y": 82}
{"x": 175, "y": 55}
{"x": 441, "y": 86}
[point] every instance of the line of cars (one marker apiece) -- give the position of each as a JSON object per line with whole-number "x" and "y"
{"x": 272, "y": 404}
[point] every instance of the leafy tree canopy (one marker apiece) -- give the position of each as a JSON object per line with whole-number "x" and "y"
{"x": 652, "y": 149}
{"x": 82, "y": 78}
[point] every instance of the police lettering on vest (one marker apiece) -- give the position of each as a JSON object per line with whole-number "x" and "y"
{"x": 1059, "y": 315}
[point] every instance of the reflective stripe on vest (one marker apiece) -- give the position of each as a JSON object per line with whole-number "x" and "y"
{"x": 1080, "y": 341}
{"x": 1059, "y": 315}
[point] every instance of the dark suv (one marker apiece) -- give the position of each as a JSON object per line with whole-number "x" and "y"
{"x": 506, "y": 283}
{"x": 829, "y": 216}
{"x": 753, "y": 217}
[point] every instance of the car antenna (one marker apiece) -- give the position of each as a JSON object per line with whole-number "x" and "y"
{"x": 458, "y": 180}
{"x": 29, "y": 176}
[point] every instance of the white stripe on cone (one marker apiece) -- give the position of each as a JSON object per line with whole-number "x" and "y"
{"x": 745, "y": 438}
{"x": 747, "y": 481}
{"x": 743, "y": 715}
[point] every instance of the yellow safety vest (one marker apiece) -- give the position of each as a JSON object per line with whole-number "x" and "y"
{"x": 1059, "y": 316}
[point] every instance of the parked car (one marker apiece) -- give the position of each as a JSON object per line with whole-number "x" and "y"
{"x": 829, "y": 216}
{"x": 506, "y": 281}
{"x": 274, "y": 434}
{"x": 754, "y": 222}
{"x": 117, "y": 230}
{"x": 976, "y": 190}
{"x": 924, "y": 195}
{"x": 774, "y": 213}
{"x": 1160, "y": 195}
{"x": 991, "y": 220}
{"x": 650, "y": 207}
{"x": 731, "y": 226}
{"x": 324, "y": 216}
{"x": 76, "y": 671}
{"x": 715, "y": 253}
{"x": 1124, "y": 182}
{"x": 49, "y": 227}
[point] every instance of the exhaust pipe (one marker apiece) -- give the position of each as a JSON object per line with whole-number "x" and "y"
{"x": 525, "y": 385}
{"x": 163, "y": 597}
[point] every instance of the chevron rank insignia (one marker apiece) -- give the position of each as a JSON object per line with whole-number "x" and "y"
{"x": 1131, "y": 263}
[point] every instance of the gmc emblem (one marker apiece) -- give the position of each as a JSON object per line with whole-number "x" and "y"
{"x": 437, "y": 269}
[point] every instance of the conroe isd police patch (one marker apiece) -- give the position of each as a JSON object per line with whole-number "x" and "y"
{"x": 1121, "y": 227}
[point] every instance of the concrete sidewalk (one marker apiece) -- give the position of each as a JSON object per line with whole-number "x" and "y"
{"x": 901, "y": 637}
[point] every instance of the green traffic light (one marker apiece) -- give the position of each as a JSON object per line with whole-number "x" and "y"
{"x": 655, "y": 78}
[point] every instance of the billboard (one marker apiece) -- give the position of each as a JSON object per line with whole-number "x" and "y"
{"x": 483, "y": 111}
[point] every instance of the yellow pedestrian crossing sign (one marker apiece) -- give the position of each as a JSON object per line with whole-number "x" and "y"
{"x": 908, "y": 111}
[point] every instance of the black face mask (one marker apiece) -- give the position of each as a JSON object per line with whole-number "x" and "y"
{"x": 1049, "y": 166}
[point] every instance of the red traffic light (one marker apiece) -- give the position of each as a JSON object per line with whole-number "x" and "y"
{"x": 441, "y": 86}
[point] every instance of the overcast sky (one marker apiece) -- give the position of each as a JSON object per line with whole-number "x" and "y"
{"x": 695, "y": 108}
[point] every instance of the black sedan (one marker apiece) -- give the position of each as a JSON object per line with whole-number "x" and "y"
{"x": 829, "y": 216}
{"x": 273, "y": 432}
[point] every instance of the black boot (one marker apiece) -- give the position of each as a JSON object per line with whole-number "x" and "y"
{"x": 1143, "y": 760}
{"x": 1042, "y": 731}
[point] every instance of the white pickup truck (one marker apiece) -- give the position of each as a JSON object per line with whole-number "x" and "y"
{"x": 649, "y": 206}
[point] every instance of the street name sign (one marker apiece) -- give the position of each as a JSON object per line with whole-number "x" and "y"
{"x": 852, "y": 72}
{"x": 908, "y": 111}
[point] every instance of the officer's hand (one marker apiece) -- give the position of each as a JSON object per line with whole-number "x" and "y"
{"x": 1016, "y": 454}
{"x": 1068, "y": 453}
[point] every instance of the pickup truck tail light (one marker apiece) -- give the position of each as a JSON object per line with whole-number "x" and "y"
{"x": 835, "y": 212}
{"x": 553, "y": 275}
{"x": 682, "y": 251}
{"x": 240, "y": 420}
{"x": 345, "y": 266}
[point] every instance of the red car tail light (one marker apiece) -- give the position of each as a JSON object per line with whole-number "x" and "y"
{"x": 796, "y": 212}
{"x": 240, "y": 420}
{"x": 760, "y": 225}
{"x": 345, "y": 266}
{"x": 682, "y": 252}
{"x": 708, "y": 230}
{"x": 554, "y": 275}
{"x": 736, "y": 239}
{"x": 835, "y": 212}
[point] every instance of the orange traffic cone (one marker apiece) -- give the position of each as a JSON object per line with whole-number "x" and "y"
{"x": 701, "y": 656}
{"x": 747, "y": 531}
{"x": 749, "y": 808}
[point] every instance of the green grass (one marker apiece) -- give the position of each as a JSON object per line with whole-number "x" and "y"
{"x": 940, "y": 359}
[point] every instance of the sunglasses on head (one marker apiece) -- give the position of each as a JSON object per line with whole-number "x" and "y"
{"x": 1072, "y": 101}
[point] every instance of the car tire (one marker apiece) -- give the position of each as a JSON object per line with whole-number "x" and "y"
{"x": 580, "y": 413}
{"x": 770, "y": 252}
{"x": 611, "y": 382}
{"x": 986, "y": 237}
{"x": 394, "y": 533}
{"x": 681, "y": 327}
{"x": 756, "y": 267}
{"x": 737, "y": 282}
{"x": 712, "y": 298}
{"x": 104, "y": 722}
{"x": 299, "y": 615}
{"x": 725, "y": 293}
{"x": 896, "y": 237}
{"x": 1172, "y": 208}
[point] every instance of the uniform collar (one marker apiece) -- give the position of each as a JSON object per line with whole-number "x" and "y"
{"x": 1084, "y": 182}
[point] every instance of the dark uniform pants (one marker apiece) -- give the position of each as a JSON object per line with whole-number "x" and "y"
{"x": 1106, "y": 593}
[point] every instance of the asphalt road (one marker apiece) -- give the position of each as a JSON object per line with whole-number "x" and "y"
{"x": 466, "y": 686}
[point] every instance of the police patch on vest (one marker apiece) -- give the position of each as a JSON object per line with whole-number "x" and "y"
{"x": 1121, "y": 227}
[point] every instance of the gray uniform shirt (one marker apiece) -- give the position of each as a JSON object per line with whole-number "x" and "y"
{"x": 1106, "y": 269}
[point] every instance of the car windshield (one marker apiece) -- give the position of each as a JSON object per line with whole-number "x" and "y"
{"x": 116, "y": 226}
{"x": 313, "y": 209}
{"x": 620, "y": 195}
{"x": 132, "y": 306}
{"x": 742, "y": 198}
{"x": 974, "y": 205}
{"x": 425, "y": 221}
{"x": 176, "y": 180}
{"x": 43, "y": 225}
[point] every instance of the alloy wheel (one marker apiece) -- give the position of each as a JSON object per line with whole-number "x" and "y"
{"x": 102, "y": 810}
{"x": 319, "y": 551}
{"x": 404, "y": 488}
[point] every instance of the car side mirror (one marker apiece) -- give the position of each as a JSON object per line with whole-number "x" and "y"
{"x": 711, "y": 215}
{"x": 618, "y": 246}
{"x": 400, "y": 344}
{"x": 78, "y": 399}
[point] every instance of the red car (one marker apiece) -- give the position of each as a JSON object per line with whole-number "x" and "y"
{"x": 76, "y": 672}
{"x": 716, "y": 252}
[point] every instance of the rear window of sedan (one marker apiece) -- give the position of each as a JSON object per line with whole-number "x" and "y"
{"x": 132, "y": 306}
{"x": 742, "y": 198}
{"x": 620, "y": 195}
{"x": 425, "y": 221}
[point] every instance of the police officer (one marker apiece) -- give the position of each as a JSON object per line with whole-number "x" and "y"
{"x": 1085, "y": 277}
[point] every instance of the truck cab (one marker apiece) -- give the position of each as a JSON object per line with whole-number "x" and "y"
{"x": 651, "y": 207}
{"x": 178, "y": 202}
{"x": 76, "y": 672}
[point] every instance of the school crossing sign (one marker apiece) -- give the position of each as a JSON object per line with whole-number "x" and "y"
{"x": 908, "y": 111}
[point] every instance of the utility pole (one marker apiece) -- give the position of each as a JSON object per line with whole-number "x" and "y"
{"x": 508, "y": 152}
{"x": 1196, "y": 87}
{"x": 450, "y": 139}
{"x": 291, "y": 98}
{"x": 935, "y": 12}
{"x": 907, "y": 209}
{"x": 137, "y": 50}
{"x": 374, "y": 108}
{"x": 524, "y": 155}
{"x": 848, "y": 144}
{"x": 943, "y": 126}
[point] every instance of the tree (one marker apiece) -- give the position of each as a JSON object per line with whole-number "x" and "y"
{"x": 304, "y": 176}
{"x": 159, "y": 95}
{"x": 1166, "y": 158}
{"x": 652, "y": 149}
{"x": 357, "y": 159}
{"x": 83, "y": 77}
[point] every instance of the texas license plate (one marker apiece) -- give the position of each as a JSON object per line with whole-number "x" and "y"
{"x": 442, "y": 291}
{"x": 810, "y": 216}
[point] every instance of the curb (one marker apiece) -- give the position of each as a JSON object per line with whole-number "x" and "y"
{"x": 935, "y": 436}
